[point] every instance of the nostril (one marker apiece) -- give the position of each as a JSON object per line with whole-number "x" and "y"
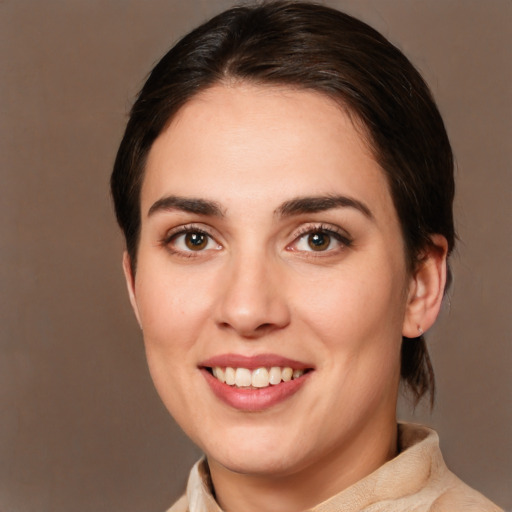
{"x": 264, "y": 327}
{"x": 248, "y": 330}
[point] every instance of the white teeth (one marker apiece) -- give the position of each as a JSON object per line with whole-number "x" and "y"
{"x": 287, "y": 374}
{"x": 243, "y": 377}
{"x": 229, "y": 374}
{"x": 219, "y": 374}
{"x": 258, "y": 378}
{"x": 274, "y": 376}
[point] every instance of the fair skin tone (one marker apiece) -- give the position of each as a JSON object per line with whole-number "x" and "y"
{"x": 269, "y": 238}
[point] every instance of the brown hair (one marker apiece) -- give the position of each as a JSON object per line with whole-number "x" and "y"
{"x": 309, "y": 46}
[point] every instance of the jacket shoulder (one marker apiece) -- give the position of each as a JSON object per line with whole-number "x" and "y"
{"x": 460, "y": 496}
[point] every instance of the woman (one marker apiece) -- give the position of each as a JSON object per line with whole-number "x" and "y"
{"x": 285, "y": 188}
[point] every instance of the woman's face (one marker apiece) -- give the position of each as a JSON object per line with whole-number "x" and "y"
{"x": 269, "y": 242}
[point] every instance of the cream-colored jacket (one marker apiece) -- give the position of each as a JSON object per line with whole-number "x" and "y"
{"x": 416, "y": 480}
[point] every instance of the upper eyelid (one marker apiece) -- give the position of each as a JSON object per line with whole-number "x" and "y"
{"x": 342, "y": 237}
{"x": 321, "y": 226}
{"x": 189, "y": 228}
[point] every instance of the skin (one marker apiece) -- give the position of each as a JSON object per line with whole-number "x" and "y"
{"x": 257, "y": 287}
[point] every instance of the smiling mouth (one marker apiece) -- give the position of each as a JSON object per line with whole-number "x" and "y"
{"x": 258, "y": 378}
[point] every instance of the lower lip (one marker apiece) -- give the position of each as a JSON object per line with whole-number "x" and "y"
{"x": 254, "y": 399}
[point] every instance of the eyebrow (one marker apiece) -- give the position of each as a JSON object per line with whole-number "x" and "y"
{"x": 314, "y": 204}
{"x": 186, "y": 204}
{"x": 295, "y": 206}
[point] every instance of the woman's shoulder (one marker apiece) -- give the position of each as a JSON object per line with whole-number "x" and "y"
{"x": 459, "y": 496}
{"x": 437, "y": 485}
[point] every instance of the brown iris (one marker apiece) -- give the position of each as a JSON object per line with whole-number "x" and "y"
{"x": 319, "y": 241}
{"x": 196, "y": 241}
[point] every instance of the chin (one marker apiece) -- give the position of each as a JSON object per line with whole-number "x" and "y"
{"x": 252, "y": 451}
{"x": 256, "y": 463}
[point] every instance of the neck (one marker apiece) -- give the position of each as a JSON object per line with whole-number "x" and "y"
{"x": 304, "y": 488}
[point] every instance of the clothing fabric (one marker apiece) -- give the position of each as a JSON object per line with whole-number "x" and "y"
{"x": 416, "y": 480}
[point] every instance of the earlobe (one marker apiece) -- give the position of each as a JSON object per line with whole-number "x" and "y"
{"x": 130, "y": 284}
{"x": 426, "y": 289}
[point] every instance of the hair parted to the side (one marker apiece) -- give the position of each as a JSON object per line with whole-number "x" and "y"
{"x": 309, "y": 46}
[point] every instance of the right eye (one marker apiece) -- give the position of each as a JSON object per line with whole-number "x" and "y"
{"x": 187, "y": 240}
{"x": 191, "y": 240}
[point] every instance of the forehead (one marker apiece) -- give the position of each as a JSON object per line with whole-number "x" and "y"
{"x": 266, "y": 141}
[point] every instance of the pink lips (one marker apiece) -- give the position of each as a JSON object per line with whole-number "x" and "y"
{"x": 253, "y": 362}
{"x": 252, "y": 399}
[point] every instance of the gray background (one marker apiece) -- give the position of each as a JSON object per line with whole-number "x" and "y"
{"x": 81, "y": 427}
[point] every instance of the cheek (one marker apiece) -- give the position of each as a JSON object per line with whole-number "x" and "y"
{"x": 356, "y": 314}
{"x": 162, "y": 315}
{"x": 172, "y": 306}
{"x": 353, "y": 299}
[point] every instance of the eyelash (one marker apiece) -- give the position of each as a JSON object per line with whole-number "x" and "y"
{"x": 324, "y": 229}
{"x": 175, "y": 233}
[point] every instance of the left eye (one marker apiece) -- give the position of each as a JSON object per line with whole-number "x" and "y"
{"x": 193, "y": 241}
{"x": 319, "y": 241}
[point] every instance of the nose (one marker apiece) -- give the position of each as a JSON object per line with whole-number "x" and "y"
{"x": 253, "y": 299}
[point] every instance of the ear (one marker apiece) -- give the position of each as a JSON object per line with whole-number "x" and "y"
{"x": 130, "y": 284}
{"x": 426, "y": 289}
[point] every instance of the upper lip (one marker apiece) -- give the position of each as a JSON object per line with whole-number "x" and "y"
{"x": 253, "y": 362}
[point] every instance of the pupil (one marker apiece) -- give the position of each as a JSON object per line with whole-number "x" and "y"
{"x": 195, "y": 241}
{"x": 319, "y": 241}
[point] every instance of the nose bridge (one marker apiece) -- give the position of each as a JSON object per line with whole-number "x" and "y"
{"x": 253, "y": 301}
